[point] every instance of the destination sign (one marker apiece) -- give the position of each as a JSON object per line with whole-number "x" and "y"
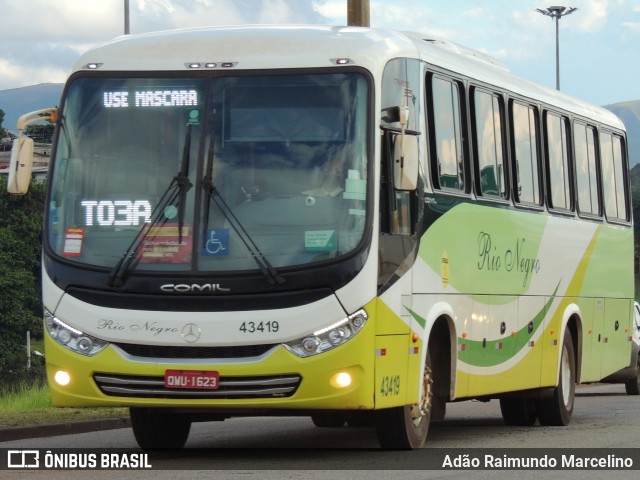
{"x": 150, "y": 98}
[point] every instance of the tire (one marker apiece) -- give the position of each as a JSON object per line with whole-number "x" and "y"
{"x": 557, "y": 410}
{"x": 518, "y": 412}
{"x": 158, "y": 430}
{"x": 633, "y": 386}
{"x": 438, "y": 408}
{"x": 406, "y": 427}
{"x": 328, "y": 419}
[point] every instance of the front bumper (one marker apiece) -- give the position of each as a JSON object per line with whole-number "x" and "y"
{"x": 275, "y": 380}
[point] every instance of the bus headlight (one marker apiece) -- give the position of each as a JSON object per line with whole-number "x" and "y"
{"x": 330, "y": 337}
{"x": 71, "y": 338}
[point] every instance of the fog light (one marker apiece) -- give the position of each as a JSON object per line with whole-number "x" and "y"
{"x": 343, "y": 379}
{"x": 62, "y": 378}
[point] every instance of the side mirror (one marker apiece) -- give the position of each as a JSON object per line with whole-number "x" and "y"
{"x": 405, "y": 162}
{"x": 22, "y": 151}
{"x": 20, "y": 166}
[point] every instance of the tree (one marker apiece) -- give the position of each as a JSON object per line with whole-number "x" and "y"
{"x": 42, "y": 133}
{"x": 20, "y": 291}
{"x": 3, "y": 132}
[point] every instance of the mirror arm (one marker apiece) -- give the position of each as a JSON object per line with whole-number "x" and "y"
{"x": 48, "y": 114}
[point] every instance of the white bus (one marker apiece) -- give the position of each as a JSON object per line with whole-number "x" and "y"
{"x": 351, "y": 224}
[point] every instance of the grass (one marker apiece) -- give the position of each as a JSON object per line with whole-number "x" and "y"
{"x": 28, "y": 405}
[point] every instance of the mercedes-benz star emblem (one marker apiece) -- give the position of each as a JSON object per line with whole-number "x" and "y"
{"x": 191, "y": 332}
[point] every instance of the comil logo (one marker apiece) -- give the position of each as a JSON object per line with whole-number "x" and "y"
{"x": 194, "y": 287}
{"x": 23, "y": 459}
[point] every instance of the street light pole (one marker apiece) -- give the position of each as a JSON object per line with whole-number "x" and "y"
{"x": 126, "y": 17}
{"x": 557, "y": 12}
{"x": 358, "y": 13}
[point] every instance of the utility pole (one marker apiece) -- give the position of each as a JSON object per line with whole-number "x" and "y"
{"x": 557, "y": 12}
{"x": 127, "y": 30}
{"x": 358, "y": 13}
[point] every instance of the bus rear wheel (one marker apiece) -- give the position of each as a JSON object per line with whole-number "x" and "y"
{"x": 158, "y": 430}
{"x": 557, "y": 410}
{"x": 632, "y": 386}
{"x": 406, "y": 427}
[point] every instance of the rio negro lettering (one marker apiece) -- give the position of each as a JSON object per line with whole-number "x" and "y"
{"x": 153, "y": 328}
{"x": 513, "y": 260}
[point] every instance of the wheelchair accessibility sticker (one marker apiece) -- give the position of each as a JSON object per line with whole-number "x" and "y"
{"x": 217, "y": 243}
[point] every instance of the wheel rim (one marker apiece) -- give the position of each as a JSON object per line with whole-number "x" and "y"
{"x": 420, "y": 410}
{"x": 566, "y": 378}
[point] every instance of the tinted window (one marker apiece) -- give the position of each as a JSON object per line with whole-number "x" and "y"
{"x": 400, "y": 88}
{"x": 613, "y": 178}
{"x": 525, "y": 150}
{"x": 448, "y": 139}
{"x": 285, "y": 153}
{"x": 558, "y": 161}
{"x": 586, "y": 172}
{"x": 489, "y": 144}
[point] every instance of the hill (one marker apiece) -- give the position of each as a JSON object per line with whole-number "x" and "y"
{"x": 15, "y": 102}
{"x": 629, "y": 113}
{"x": 18, "y": 101}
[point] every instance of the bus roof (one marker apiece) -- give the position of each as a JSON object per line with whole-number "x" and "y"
{"x": 298, "y": 46}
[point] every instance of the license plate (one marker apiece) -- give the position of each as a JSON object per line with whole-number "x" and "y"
{"x": 194, "y": 379}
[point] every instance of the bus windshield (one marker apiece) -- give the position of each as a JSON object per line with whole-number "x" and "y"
{"x": 203, "y": 174}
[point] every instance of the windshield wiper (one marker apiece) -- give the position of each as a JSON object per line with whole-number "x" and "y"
{"x": 175, "y": 193}
{"x": 212, "y": 193}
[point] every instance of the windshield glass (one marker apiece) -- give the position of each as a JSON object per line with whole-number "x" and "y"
{"x": 195, "y": 174}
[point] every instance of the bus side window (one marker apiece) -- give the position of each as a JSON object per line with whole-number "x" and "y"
{"x": 613, "y": 178}
{"x": 446, "y": 121}
{"x": 399, "y": 208}
{"x": 489, "y": 144}
{"x": 560, "y": 193}
{"x": 525, "y": 154}
{"x": 586, "y": 169}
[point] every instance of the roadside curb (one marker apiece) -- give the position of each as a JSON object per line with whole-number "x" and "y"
{"x": 71, "y": 428}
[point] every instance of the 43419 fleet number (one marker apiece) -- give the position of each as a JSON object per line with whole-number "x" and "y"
{"x": 259, "y": 327}
{"x": 390, "y": 385}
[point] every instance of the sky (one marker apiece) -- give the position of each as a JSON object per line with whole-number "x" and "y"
{"x": 599, "y": 43}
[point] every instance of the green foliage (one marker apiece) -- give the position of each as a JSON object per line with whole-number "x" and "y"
{"x": 20, "y": 290}
{"x": 25, "y": 396}
{"x": 42, "y": 133}
{"x": 635, "y": 205}
{"x": 2, "y": 130}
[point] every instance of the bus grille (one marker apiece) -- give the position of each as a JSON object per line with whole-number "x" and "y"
{"x": 162, "y": 351}
{"x": 276, "y": 386}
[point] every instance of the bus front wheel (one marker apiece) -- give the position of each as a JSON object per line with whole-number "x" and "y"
{"x": 158, "y": 430}
{"x": 557, "y": 410}
{"x": 406, "y": 427}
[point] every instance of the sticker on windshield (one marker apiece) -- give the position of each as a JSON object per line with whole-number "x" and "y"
{"x": 164, "y": 245}
{"x": 217, "y": 244}
{"x": 194, "y": 117}
{"x": 73, "y": 242}
{"x": 320, "y": 241}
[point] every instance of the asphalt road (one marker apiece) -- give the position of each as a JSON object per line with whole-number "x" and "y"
{"x": 273, "y": 447}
